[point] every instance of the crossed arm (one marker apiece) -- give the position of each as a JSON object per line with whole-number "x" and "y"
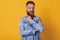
{"x": 38, "y": 26}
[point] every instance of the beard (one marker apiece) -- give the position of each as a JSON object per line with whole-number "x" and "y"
{"x": 31, "y": 13}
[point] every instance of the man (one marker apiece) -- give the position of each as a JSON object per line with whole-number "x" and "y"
{"x": 30, "y": 25}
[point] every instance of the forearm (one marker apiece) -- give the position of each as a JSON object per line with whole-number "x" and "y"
{"x": 37, "y": 26}
{"x": 27, "y": 32}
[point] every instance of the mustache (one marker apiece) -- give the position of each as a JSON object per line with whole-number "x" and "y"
{"x": 31, "y": 13}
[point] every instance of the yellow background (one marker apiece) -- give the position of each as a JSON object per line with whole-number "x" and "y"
{"x": 12, "y": 10}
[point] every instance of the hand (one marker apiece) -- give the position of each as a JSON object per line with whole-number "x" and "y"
{"x": 29, "y": 18}
{"x": 35, "y": 30}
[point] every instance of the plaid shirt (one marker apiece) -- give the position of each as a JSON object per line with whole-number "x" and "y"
{"x": 27, "y": 28}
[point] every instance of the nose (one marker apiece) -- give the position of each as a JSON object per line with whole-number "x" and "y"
{"x": 31, "y": 9}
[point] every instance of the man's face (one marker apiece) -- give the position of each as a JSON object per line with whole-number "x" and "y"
{"x": 30, "y": 9}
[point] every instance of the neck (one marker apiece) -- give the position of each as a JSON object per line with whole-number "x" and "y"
{"x": 31, "y": 16}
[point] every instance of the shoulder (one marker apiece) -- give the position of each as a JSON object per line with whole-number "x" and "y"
{"x": 37, "y": 18}
{"x": 23, "y": 18}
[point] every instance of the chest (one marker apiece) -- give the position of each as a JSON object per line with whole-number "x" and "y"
{"x": 27, "y": 24}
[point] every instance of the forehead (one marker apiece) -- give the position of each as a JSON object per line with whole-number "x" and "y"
{"x": 30, "y": 5}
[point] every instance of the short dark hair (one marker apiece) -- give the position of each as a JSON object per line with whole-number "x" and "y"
{"x": 30, "y": 2}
